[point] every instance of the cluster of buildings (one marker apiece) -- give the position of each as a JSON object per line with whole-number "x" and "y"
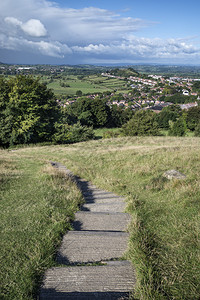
{"x": 147, "y": 92}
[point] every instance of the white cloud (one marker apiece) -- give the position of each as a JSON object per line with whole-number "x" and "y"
{"x": 32, "y": 27}
{"x": 41, "y": 26}
{"x": 142, "y": 48}
{"x": 68, "y": 25}
{"x": 55, "y": 49}
{"x": 13, "y": 21}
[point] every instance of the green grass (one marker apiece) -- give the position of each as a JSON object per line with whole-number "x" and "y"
{"x": 37, "y": 204}
{"x": 165, "y": 132}
{"x": 164, "y": 233}
{"x": 84, "y": 86}
{"x": 89, "y": 84}
{"x": 101, "y": 132}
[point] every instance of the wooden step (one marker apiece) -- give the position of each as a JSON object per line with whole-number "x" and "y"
{"x": 113, "y": 281}
{"x": 101, "y": 221}
{"x": 91, "y": 246}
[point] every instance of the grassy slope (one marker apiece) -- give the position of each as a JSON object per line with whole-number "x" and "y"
{"x": 164, "y": 244}
{"x": 36, "y": 206}
{"x": 75, "y": 85}
{"x": 90, "y": 84}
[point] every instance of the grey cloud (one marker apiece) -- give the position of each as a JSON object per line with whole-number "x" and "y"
{"x": 13, "y": 21}
{"x": 39, "y": 26}
{"x": 72, "y": 26}
{"x": 141, "y": 47}
{"x": 91, "y": 25}
{"x": 54, "y": 49}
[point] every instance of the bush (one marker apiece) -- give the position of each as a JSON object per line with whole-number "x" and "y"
{"x": 172, "y": 112}
{"x": 110, "y": 134}
{"x": 142, "y": 123}
{"x": 178, "y": 128}
{"x": 193, "y": 117}
{"x": 81, "y": 133}
{"x": 66, "y": 134}
{"x": 197, "y": 130}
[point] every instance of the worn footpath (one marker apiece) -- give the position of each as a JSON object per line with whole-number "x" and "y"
{"x": 90, "y": 259}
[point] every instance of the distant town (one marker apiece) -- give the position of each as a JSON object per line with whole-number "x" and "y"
{"x": 142, "y": 91}
{"x": 150, "y": 90}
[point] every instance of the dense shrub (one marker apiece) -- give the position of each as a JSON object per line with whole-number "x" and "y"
{"x": 110, "y": 134}
{"x": 81, "y": 133}
{"x": 66, "y": 134}
{"x": 193, "y": 117}
{"x": 142, "y": 123}
{"x": 169, "y": 113}
{"x": 91, "y": 112}
{"x": 97, "y": 113}
{"x": 178, "y": 128}
{"x": 197, "y": 130}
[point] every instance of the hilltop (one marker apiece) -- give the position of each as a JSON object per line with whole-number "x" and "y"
{"x": 164, "y": 232}
{"x": 124, "y": 72}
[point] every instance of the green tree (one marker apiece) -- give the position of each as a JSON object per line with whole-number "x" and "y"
{"x": 82, "y": 110}
{"x": 67, "y": 115}
{"x": 79, "y": 93}
{"x": 193, "y": 117}
{"x": 28, "y": 111}
{"x": 197, "y": 130}
{"x": 120, "y": 116}
{"x": 171, "y": 112}
{"x": 179, "y": 98}
{"x": 196, "y": 86}
{"x": 93, "y": 112}
{"x": 86, "y": 118}
{"x": 66, "y": 134}
{"x": 142, "y": 123}
{"x": 178, "y": 128}
{"x": 101, "y": 112}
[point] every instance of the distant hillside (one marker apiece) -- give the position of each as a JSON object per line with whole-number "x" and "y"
{"x": 124, "y": 72}
{"x": 170, "y": 70}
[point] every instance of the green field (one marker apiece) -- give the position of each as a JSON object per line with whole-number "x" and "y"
{"x": 102, "y": 132}
{"x": 88, "y": 84}
{"x": 164, "y": 234}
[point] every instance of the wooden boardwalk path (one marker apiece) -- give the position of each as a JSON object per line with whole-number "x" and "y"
{"x": 91, "y": 256}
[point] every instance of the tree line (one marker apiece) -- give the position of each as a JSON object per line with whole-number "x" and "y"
{"x": 29, "y": 113}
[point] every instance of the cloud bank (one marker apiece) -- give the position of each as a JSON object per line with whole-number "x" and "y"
{"x": 40, "y": 27}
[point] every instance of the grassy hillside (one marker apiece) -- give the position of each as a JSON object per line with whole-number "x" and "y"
{"x": 124, "y": 72}
{"x": 164, "y": 243}
{"x": 36, "y": 207}
{"x": 88, "y": 84}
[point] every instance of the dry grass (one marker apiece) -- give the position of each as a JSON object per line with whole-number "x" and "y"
{"x": 164, "y": 244}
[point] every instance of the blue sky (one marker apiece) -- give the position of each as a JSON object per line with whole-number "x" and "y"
{"x": 99, "y": 31}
